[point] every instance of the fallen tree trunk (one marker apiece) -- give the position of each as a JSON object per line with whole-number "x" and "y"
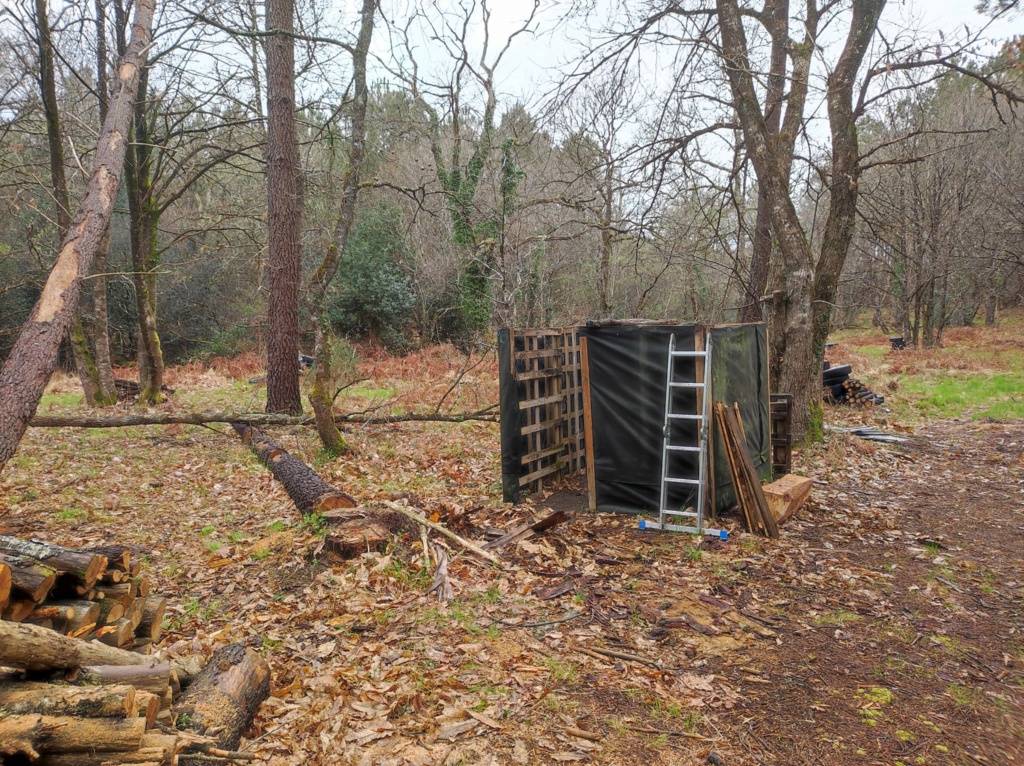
{"x": 353, "y": 530}
{"x": 308, "y": 491}
{"x": 248, "y": 418}
{"x": 224, "y": 697}
{"x": 33, "y": 358}
{"x": 30, "y": 579}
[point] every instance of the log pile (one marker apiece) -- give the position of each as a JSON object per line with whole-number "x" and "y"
{"x": 840, "y": 388}
{"x": 81, "y": 686}
{"x": 91, "y": 593}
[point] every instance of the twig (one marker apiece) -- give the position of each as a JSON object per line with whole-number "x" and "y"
{"x": 687, "y": 734}
{"x": 603, "y": 653}
{"x": 426, "y": 547}
{"x": 565, "y": 618}
{"x": 423, "y": 521}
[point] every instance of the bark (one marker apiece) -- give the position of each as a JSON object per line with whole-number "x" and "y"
{"x": 224, "y": 697}
{"x": 30, "y": 647}
{"x": 248, "y": 418}
{"x": 154, "y": 677}
{"x": 32, "y": 735}
{"x": 100, "y": 321}
{"x": 24, "y": 698}
{"x": 30, "y": 579}
{"x": 85, "y": 568}
{"x": 321, "y": 397}
{"x": 802, "y": 291}
{"x": 308, "y": 491}
{"x": 33, "y": 358}
{"x": 284, "y": 214}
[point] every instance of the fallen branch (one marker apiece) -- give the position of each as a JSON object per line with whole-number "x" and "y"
{"x": 249, "y": 418}
{"x": 422, "y": 520}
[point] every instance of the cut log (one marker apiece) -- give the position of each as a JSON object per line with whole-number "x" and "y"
{"x": 148, "y": 707}
{"x": 30, "y": 578}
{"x": 142, "y": 585}
{"x": 187, "y": 668}
{"x": 118, "y": 556}
{"x": 787, "y": 495}
{"x": 18, "y": 609}
{"x": 144, "y": 756}
{"x": 151, "y": 623}
{"x": 110, "y": 611}
{"x": 25, "y": 698}
{"x": 84, "y": 567}
{"x": 5, "y": 585}
{"x": 122, "y": 592}
{"x": 33, "y": 648}
{"x": 79, "y": 614}
{"x": 118, "y": 634}
{"x": 224, "y": 697}
{"x": 307, "y": 490}
{"x": 31, "y": 735}
{"x": 49, "y": 614}
{"x": 154, "y": 677}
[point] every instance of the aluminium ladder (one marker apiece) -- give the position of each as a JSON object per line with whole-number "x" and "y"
{"x": 668, "y": 517}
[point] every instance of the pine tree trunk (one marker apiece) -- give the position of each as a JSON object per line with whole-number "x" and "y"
{"x": 284, "y": 215}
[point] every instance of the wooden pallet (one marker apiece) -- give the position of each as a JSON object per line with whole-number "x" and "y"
{"x": 547, "y": 371}
{"x": 782, "y": 436}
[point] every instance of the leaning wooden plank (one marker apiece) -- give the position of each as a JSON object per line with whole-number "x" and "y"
{"x": 734, "y": 469}
{"x": 225, "y": 696}
{"x": 787, "y": 495}
{"x": 25, "y": 698}
{"x": 84, "y": 567}
{"x": 31, "y": 735}
{"x": 33, "y": 648}
{"x": 32, "y": 360}
{"x": 750, "y": 476}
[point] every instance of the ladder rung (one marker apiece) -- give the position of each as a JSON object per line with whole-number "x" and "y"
{"x": 686, "y": 385}
{"x": 685, "y": 417}
{"x": 689, "y": 354}
{"x": 682, "y": 449}
{"x": 692, "y": 514}
{"x": 682, "y": 481}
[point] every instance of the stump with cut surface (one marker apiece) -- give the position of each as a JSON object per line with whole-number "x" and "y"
{"x": 224, "y": 697}
{"x": 352, "y": 529}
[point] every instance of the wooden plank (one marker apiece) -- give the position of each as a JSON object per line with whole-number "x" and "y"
{"x": 787, "y": 495}
{"x": 540, "y": 473}
{"x": 540, "y": 353}
{"x": 588, "y": 426}
{"x": 753, "y": 484}
{"x": 539, "y": 402}
{"x": 541, "y": 454}
{"x": 535, "y": 374}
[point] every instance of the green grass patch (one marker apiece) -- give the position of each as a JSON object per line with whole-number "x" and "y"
{"x": 996, "y": 396}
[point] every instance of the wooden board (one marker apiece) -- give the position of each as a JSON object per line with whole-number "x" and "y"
{"x": 787, "y": 495}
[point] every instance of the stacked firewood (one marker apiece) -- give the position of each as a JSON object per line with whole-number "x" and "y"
{"x": 71, "y": 694}
{"x": 92, "y": 593}
{"x": 840, "y": 388}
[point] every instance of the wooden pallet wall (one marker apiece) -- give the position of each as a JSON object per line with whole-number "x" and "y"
{"x": 546, "y": 368}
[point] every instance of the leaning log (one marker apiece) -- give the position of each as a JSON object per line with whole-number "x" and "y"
{"x": 33, "y": 358}
{"x": 25, "y": 698}
{"x": 31, "y": 647}
{"x": 223, "y": 699}
{"x": 154, "y": 678}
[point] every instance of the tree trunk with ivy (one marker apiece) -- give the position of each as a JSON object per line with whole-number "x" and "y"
{"x": 321, "y": 397}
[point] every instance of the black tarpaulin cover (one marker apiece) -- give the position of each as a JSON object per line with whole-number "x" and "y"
{"x": 627, "y": 372}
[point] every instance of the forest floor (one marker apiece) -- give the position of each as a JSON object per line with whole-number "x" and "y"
{"x": 885, "y": 626}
